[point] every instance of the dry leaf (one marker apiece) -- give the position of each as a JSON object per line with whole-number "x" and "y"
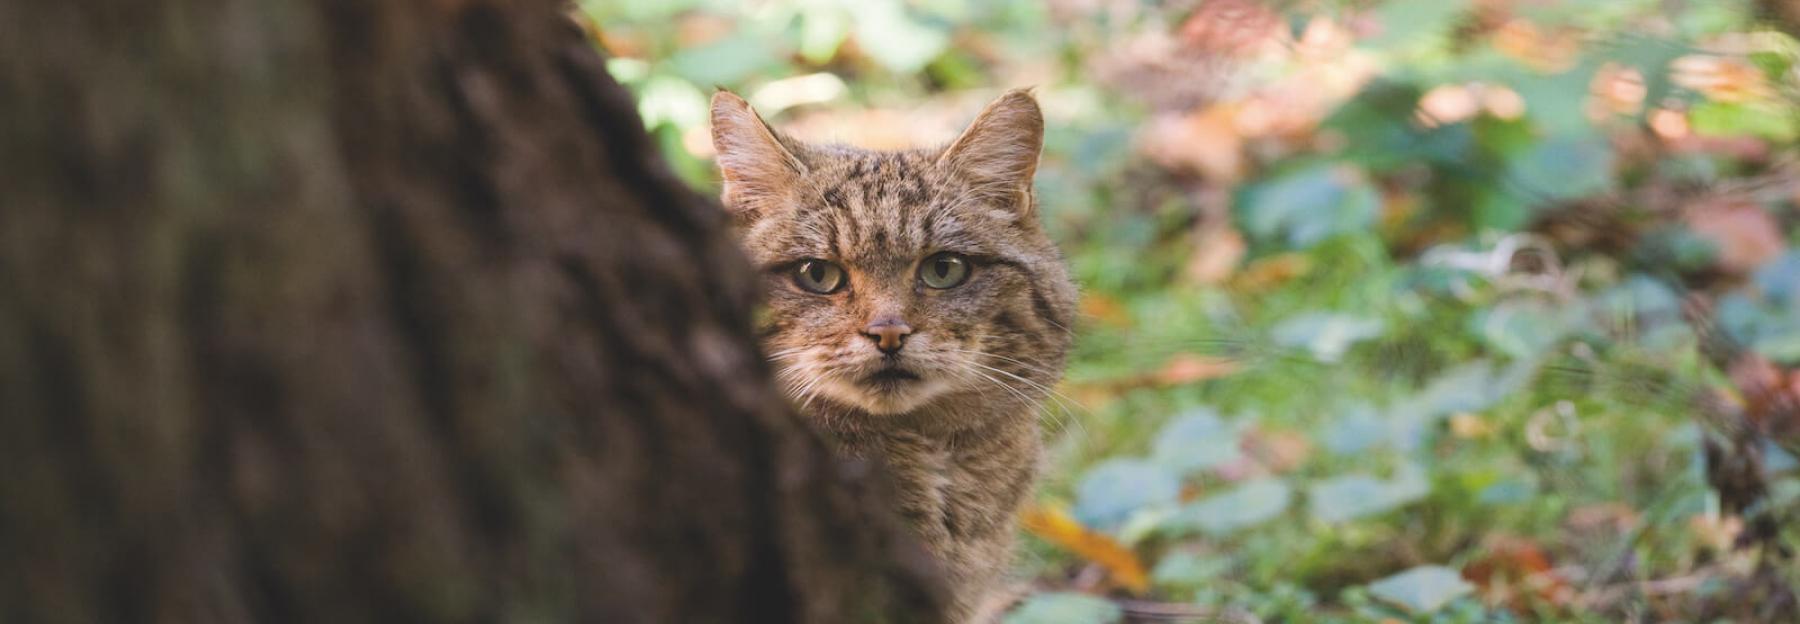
{"x": 1746, "y": 235}
{"x": 1548, "y": 51}
{"x": 1216, "y": 255}
{"x": 1468, "y": 426}
{"x": 1187, "y": 368}
{"x": 1232, "y": 26}
{"x": 1720, "y": 78}
{"x": 1517, "y": 572}
{"x": 1106, "y": 310}
{"x": 1279, "y": 451}
{"x": 1272, "y": 271}
{"x": 1206, "y": 142}
{"x": 1717, "y": 532}
{"x": 1056, "y": 526}
{"x": 1603, "y": 518}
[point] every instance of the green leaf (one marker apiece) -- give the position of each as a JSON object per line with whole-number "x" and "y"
{"x": 1195, "y": 441}
{"x": 1779, "y": 280}
{"x": 1735, "y": 120}
{"x": 671, "y": 100}
{"x": 897, "y": 40}
{"x": 1404, "y": 22}
{"x": 1112, "y": 490}
{"x": 726, "y": 61}
{"x": 823, "y": 28}
{"x": 1523, "y": 329}
{"x": 1308, "y": 206}
{"x": 1422, "y": 590}
{"x": 1327, "y": 335}
{"x": 1562, "y": 168}
{"x": 1188, "y": 570}
{"x": 1348, "y": 497}
{"x": 1357, "y": 429}
{"x": 1251, "y": 503}
{"x": 1066, "y": 608}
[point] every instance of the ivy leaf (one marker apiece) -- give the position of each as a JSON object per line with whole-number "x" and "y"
{"x": 1252, "y": 503}
{"x": 726, "y": 61}
{"x": 1353, "y": 496}
{"x": 1066, "y": 608}
{"x": 1563, "y": 167}
{"x": 1188, "y": 570}
{"x": 1308, "y": 206}
{"x": 1328, "y": 336}
{"x": 1423, "y": 589}
{"x": 1195, "y": 441}
{"x": 1111, "y": 491}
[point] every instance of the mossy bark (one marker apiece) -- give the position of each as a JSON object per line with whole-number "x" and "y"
{"x": 340, "y": 311}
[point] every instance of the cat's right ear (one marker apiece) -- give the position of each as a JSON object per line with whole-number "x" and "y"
{"x": 757, "y": 169}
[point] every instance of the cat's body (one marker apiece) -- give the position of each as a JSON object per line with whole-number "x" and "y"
{"x": 918, "y": 312}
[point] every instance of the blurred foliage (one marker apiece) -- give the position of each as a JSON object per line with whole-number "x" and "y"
{"x": 1389, "y": 306}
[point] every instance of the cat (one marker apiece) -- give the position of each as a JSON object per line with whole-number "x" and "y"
{"x": 917, "y": 311}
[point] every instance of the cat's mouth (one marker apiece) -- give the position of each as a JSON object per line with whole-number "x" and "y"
{"x": 890, "y": 376}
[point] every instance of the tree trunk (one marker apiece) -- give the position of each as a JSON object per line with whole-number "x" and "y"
{"x": 348, "y": 310}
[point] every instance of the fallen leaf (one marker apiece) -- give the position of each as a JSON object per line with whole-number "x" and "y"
{"x": 1516, "y": 571}
{"x": 1232, "y": 26}
{"x": 1187, "y": 368}
{"x": 1746, "y": 235}
{"x": 1716, "y": 531}
{"x": 1268, "y": 273}
{"x": 1106, "y": 310}
{"x": 1055, "y": 525}
{"x": 1206, "y": 142}
{"x": 1602, "y": 517}
{"x": 1470, "y": 426}
{"x": 1217, "y": 253}
{"x": 1546, "y": 50}
{"x": 1279, "y": 451}
{"x": 1721, "y": 79}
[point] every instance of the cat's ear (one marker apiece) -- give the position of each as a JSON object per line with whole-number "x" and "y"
{"x": 998, "y": 153}
{"x": 758, "y": 170}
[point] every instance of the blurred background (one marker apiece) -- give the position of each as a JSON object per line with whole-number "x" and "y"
{"x": 1416, "y": 310}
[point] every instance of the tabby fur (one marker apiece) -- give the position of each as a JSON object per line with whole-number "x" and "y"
{"x": 962, "y": 440}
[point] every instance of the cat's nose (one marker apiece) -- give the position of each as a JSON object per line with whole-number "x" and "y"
{"x": 889, "y": 334}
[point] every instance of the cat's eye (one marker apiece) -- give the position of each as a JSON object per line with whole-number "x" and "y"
{"x": 944, "y": 270}
{"x": 818, "y": 276}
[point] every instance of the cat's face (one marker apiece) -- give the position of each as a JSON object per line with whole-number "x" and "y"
{"x": 898, "y": 279}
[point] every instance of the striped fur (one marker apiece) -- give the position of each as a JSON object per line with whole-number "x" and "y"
{"x": 962, "y": 440}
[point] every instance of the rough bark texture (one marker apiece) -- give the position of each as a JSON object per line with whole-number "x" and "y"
{"x": 343, "y": 311}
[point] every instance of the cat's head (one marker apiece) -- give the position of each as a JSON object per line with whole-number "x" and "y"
{"x": 896, "y": 280}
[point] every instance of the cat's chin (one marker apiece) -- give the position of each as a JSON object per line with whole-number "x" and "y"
{"x": 887, "y": 395}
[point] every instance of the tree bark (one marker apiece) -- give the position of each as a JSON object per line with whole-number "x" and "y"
{"x": 341, "y": 311}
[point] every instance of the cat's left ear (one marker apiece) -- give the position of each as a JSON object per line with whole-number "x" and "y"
{"x": 998, "y": 153}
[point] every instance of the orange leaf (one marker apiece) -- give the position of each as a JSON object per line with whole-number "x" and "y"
{"x": 1279, "y": 451}
{"x": 1517, "y": 571}
{"x": 1216, "y": 255}
{"x": 1186, "y": 368}
{"x": 1746, "y": 235}
{"x": 1105, "y": 309}
{"x": 1056, "y": 526}
{"x": 1272, "y": 271}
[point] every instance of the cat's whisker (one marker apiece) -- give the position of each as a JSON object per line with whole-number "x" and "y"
{"x": 1062, "y": 400}
{"x": 1064, "y": 422}
{"x": 1015, "y": 391}
{"x": 1026, "y": 365}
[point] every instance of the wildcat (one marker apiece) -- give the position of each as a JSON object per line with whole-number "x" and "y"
{"x": 918, "y": 312}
